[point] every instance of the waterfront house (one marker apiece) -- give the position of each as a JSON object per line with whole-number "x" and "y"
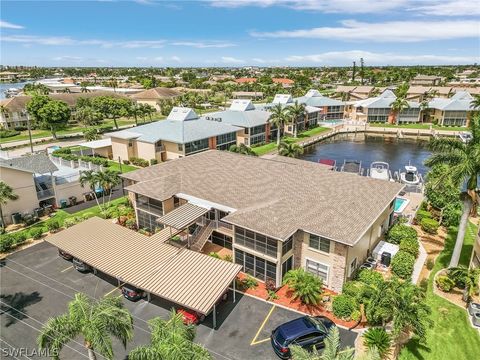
{"x": 379, "y": 109}
{"x": 182, "y": 133}
{"x": 38, "y": 182}
{"x": 454, "y": 111}
{"x": 330, "y": 109}
{"x": 426, "y": 80}
{"x": 273, "y": 215}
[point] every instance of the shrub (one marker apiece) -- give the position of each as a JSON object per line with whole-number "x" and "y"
{"x": 112, "y": 212}
{"x": 8, "y": 133}
{"x": 429, "y": 225}
{"x": 430, "y": 264}
{"x": 354, "y": 289}
{"x": 36, "y": 233}
{"x": 410, "y": 245}
{"x": 53, "y": 226}
{"x": 356, "y": 315}
{"x": 402, "y": 264}
{"x": 69, "y": 222}
{"x": 7, "y": 242}
{"x": 270, "y": 285}
{"x": 272, "y": 295}
{"x": 422, "y": 214}
{"x": 444, "y": 283}
{"x": 126, "y": 162}
{"x": 452, "y": 214}
{"x": 343, "y": 306}
{"x": 153, "y": 162}
{"x": 131, "y": 223}
{"x": 306, "y": 286}
{"x": 228, "y": 258}
{"x": 423, "y": 284}
{"x": 139, "y": 162}
{"x": 247, "y": 283}
{"x": 378, "y": 338}
{"x": 399, "y": 231}
{"x": 423, "y": 206}
{"x": 370, "y": 277}
{"x": 215, "y": 255}
{"x": 19, "y": 237}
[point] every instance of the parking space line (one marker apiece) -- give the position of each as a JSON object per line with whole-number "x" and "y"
{"x": 112, "y": 291}
{"x": 70, "y": 267}
{"x": 254, "y": 340}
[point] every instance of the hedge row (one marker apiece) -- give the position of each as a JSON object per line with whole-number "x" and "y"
{"x": 67, "y": 155}
{"x": 402, "y": 264}
{"x": 8, "y": 133}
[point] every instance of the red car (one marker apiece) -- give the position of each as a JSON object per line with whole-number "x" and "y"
{"x": 191, "y": 317}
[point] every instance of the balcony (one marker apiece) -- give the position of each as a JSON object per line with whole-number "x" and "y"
{"x": 143, "y": 204}
{"x": 159, "y": 148}
{"x": 45, "y": 193}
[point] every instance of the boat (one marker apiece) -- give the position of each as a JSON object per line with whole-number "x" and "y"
{"x": 12, "y": 92}
{"x": 465, "y": 136}
{"x": 328, "y": 162}
{"x": 410, "y": 176}
{"x": 352, "y": 166}
{"x": 380, "y": 170}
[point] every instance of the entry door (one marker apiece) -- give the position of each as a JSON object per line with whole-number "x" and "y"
{"x": 287, "y": 265}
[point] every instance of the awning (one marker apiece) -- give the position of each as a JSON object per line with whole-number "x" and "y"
{"x": 97, "y": 144}
{"x": 182, "y": 216}
{"x": 185, "y": 277}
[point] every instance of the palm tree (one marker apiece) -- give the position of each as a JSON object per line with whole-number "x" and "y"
{"x": 330, "y": 352}
{"x": 134, "y": 110}
{"x": 469, "y": 276}
{"x": 278, "y": 117}
{"x": 398, "y": 106}
{"x": 463, "y": 159}
{"x": 306, "y": 286}
{"x": 6, "y": 194}
{"x": 295, "y": 113}
{"x": 242, "y": 149}
{"x": 96, "y": 320}
{"x": 83, "y": 87}
{"x": 89, "y": 177}
{"x": 290, "y": 149}
{"x": 107, "y": 179}
{"x": 170, "y": 339}
{"x": 377, "y": 337}
{"x": 475, "y": 103}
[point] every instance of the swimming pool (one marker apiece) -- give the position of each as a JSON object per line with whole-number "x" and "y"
{"x": 400, "y": 204}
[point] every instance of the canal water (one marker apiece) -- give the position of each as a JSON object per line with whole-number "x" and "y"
{"x": 368, "y": 148}
{"x": 6, "y": 86}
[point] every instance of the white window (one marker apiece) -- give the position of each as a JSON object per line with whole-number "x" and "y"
{"x": 319, "y": 269}
{"x": 353, "y": 267}
{"x": 319, "y": 243}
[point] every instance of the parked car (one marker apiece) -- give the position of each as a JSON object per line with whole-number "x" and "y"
{"x": 307, "y": 332}
{"x": 191, "y": 317}
{"x": 79, "y": 265}
{"x": 132, "y": 293}
{"x": 65, "y": 255}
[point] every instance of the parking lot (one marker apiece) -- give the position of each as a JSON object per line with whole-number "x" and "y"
{"x": 37, "y": 284}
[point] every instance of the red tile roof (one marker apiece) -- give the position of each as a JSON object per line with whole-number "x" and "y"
{"x": 245, "y": 80}
{"x": 282, "y": 81}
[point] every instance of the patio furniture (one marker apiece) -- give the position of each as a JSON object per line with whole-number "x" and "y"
{"x": 473, "y": 308}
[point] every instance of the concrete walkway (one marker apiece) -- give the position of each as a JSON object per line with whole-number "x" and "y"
{"x": 461, "y": 234}
{"x": 418, "y": 266}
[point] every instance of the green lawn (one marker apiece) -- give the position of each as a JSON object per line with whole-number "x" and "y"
{"x": 114, "y": 165}
{"x": 451, "y": 336}
{"x": 419, "y": 126}
{"x": 61, "y": 216}
{"x": 265, "y": 149}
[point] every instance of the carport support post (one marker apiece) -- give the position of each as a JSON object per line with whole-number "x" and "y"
{"x": 149, "y": 297}
{"x": 234, "y": 290}
{"x": 214, "y": 316}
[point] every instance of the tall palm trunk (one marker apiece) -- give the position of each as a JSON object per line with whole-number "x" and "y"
{"x": 91, "y": 354}
{"x": 115, "y": 122}
{"x": 278, "y": 135}
{"x": 2, "y": 224}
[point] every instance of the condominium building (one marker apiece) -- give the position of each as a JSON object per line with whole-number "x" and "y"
{"x": 454, "y": 111}
{"x": 330, "y": 109}
{"x": 379, "y": 109}
{"x": 182, "y": 133}
{"x": 247, "y": 205}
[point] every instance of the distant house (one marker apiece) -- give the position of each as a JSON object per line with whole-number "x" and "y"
{"x": 247, "y": 95}
{"x": 286, "y": 83}
{"x": 14, "y": 110}
{"x": 330, "y": 109}
{"x": 454, "y": 111}
{"x": 153, "y": 96}
{"x": 183, "y": 133}
{"x": 349, "y": 92}
{"x": 8, "y": 76}
{"x": 426, "y": 80}
{"x": 379, "y": 110}
{"x": 245, "y": 80}
{"x": 38, "y": 182}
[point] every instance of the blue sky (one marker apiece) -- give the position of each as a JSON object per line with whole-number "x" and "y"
{"x": 239, "y": 33}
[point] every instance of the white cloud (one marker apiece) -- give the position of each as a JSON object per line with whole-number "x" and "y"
{"x": 202, "y": 45}
{"x": 391, "y": 31}
{"x": 68, "y": 58}
{"x": 175, "y": 58}
{"x": 372, "y": 58}
{"x": 327, "y": 6}
{"x": 41, "y": 40}
{"x": 7, "y": 25}
{"x": 448, "y": 8}
{"x": 231, "y": 60}
{"x": 424, "y": 7}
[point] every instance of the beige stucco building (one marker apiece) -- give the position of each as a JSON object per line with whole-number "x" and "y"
{"x": 248, "y": 205}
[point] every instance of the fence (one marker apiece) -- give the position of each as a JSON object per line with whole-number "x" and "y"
{"x": 76, "y": 164}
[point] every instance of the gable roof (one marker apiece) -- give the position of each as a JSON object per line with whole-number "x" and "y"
{"x": 461, "y": 101}
{"x": 241, "y": 105}
{"x": 36, "y": 164}
{"x": 282, "y": 99}
{"x": 155, "y": 94}
{"x": 314, "y": 98}
{"x": 339, "y": 206}
{"x": 383, "y": 101}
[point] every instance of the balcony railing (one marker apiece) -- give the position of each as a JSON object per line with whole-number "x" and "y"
{"x": 145, "y": 205}
{"x": 43, "y": 194}
{"x": 159, "y": 148}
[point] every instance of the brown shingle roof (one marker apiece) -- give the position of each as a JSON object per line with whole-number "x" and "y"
{"x": 185, "y": 277}
{"x": 156, "y": 93}
{"x": 273, "y": 196}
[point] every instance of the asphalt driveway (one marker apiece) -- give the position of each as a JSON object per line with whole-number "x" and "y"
{"x": 36, "y": 284}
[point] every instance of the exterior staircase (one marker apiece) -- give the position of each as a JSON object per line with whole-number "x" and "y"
{"x": 202, "y": 237}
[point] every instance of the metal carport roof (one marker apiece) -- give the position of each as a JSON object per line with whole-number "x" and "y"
{"x": 182, "y": 216}
{"x": 188, "y": 278}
